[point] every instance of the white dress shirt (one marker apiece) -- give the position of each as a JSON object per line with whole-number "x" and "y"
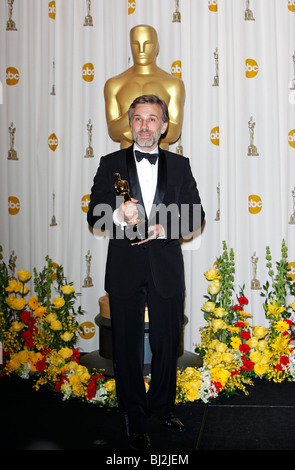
{"x": 148, "y": 177}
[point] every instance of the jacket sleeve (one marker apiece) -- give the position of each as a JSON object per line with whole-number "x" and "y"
{"x": 191, "y": 212}
{"x": 102, "y": 199}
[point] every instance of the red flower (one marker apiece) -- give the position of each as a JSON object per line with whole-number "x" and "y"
{"x": 26, "y": 318}
{"x": 40, "y": 366}
{"x": 278, "y": 367}
{"x": 244, "y": 348}
{"x": 218, "y": 386}
{"x": 240, "y": 324}
{"x": 290, "y": 323}
{"x": 245, "y": 334}
{"x": 237, "y": 307}
{"x": 247, "y": 365}
{"x": 284, "y": 360}
{"x": 243, "y": 300}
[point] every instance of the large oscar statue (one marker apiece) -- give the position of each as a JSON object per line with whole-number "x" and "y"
{"x": 144, "y": 77}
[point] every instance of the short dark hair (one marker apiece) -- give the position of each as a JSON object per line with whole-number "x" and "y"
{"x": 153, "y": 99}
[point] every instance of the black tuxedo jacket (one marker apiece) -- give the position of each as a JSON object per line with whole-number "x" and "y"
{"x": 177, "y": 206}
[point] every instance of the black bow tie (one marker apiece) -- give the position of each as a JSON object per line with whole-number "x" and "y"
{"x": 151, "y": 157}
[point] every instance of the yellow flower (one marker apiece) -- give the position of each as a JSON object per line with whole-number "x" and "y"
{"x": 67, "y": 336}
{"x": 22, "y": 289}
{"x": 260, "y": 368}
{"x": 281, "y": 326}
{"x": 23, "y": 276}
{"x": 220, "y": 312}
{"x": 208, "y": 307}
{"x": 18, "y": 304}
{"x": 13, "y": 364}
{"x": 110, "y": 385}
{"x": 220, "y": 347}
{"x": 212, "y": 274}
{"x": 40, "y": 312}
{"x": 252, "y": 342}
{"x": 292, "y": 305}
{"x": 12, "y": 286}
{"x": 58, "y": 302}
{"x": 274, "y": 309}
{"x": 218, "y": 325}
{"x": 9, "y": 300}
{"x": 262, "y": 345}
{"x": 23, "y": 356}
{"x": 227, "y": 357}
{"x": 255, "y": 356}
{"x": 214, "y": 287}
{"x": 56, "y": 325}
{"x": 66, "y": 353}
{"x": 33, "y": 302}
{"x": 235, "y": 342}
{"x": 220, "y": 375}
{"x": 51, "y": 317}
{"x": 17, "y": 326}
{"x": 67, "y": 290}
{"x": 259, "y": 332}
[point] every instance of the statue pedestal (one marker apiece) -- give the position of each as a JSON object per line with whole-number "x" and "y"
{"x": 103, "y": 359}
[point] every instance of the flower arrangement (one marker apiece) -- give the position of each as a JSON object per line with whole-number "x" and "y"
{"x": 234, "y": 351}
{"x": 39, "y": 335}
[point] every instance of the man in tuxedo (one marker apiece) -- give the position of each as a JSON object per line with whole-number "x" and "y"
{"x": 148, "y": 268}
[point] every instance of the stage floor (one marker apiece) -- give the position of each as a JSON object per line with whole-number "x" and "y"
{"x": 264, "y": 420}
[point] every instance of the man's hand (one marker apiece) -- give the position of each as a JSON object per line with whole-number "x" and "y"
{"x": 128, "y": 212}
{"x": 155, "y": 231}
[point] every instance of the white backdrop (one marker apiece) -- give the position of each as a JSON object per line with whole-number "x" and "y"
{"x": 52, "y": 50}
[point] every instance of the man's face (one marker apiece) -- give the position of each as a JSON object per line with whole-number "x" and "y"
{"x": 147, "y": 126}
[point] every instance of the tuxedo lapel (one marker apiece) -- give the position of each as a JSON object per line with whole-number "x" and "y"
{"x": 161, "y": 183}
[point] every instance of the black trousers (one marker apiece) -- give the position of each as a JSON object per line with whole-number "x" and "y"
{"x": 165, "y": 324}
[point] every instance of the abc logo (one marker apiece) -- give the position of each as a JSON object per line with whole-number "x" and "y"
{"x": 176, "y": 68}
{"x": 85, "y": 202}
{"x": 292, "y": 138}
{"x": 291, "y": 273}
{"x": 12, "y": 76}
{"x": 51, "y": 10}
{"x": 13, "y": 205}
{"x": 52, "y": 142}
{"x": 212, "y": 4}
{"x": 88, "y": 72}
{"x": 254, "y": 204}
{"x": 214, "y": 135}
{"x": 291, "y": 5}
{"x": 88, "y": 330}
{"x": 251, "y": 68}
{"x": 131, "y": 7}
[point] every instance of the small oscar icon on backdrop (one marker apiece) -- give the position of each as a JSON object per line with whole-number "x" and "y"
{"x": 252, "y": 149}
{"x": 10, "y": 25}
{"x": 12, "y": 154}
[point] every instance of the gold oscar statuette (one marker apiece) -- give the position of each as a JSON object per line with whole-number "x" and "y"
{"x": 89, "y": 151}
{"x": 88, "y": 21}
{"x": 248, "y": 13}
{"x": 10, "y": 25}
{"x": 252, "y": 149}
{"x": 255, "y": 284}
{"x": 12, "y": 154}
{"x": 136, "y": 230}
